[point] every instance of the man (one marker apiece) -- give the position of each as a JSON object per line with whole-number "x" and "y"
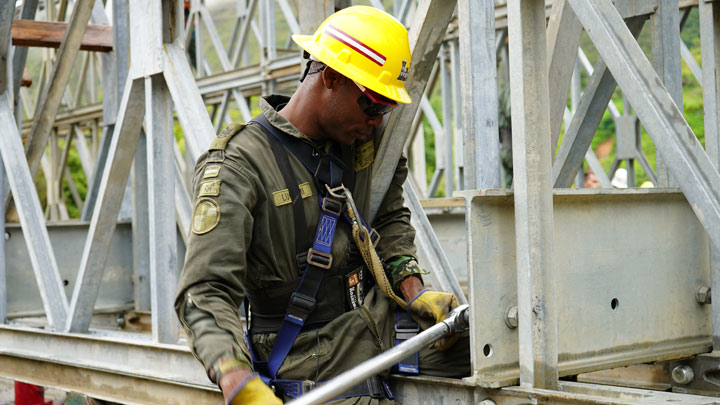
{"x": 278, "y": 220}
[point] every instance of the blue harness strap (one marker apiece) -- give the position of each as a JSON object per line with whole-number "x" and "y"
{"x": 302, "y": 301}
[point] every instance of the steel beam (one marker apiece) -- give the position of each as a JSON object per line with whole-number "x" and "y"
{"x": 140, "y": 226}
{"x": 586, "y": 119}
{"x": 563, "y": 38}
{"x": 426, "y": 33}
{"x": 663, "y": 120}
{"x": 7, "y": 12}
{"x": 537, "y": 317}
{"x": 435, "y": 390}
{"x": 667, "y": 62}
{"x": 104, "y": 216}
{"x": 59, "y": 77}
{"x": 197, "y": 128}
{"x": 31, "y": 218}
{"x": 710, "y": 53}
{"x": 478, "y": 71}
{"x": 161, "y": 209}
{"x": 27, "y": 12}
{"x": 122, "y": 367}
{"x": 109, "y": 76}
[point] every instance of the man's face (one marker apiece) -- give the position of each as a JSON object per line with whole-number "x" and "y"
{"x": 345, "y": 122}
{"x": 592, "y": 181}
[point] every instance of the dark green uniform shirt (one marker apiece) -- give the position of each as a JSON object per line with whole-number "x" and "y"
{"x": 242, "y": 238}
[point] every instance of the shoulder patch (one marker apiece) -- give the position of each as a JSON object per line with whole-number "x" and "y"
{"x": 211, "y": 171}
{"x": 221, "y": 141}
{"x": 206, "y": 216}
{"x": 364, "y": 155}
{"x": 210, "y": 188}
{"x": 282, "y": 197}
{"x": 305, "y": 190}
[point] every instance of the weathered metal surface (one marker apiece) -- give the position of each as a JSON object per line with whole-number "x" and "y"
{"x": 625, "y": 254}
{"x": 103, "y": 222}
{"x": 67, "y": 239}
{"x": 536, "y": 301}
{"x": 481, "y": 148}
{"x": 122, "y": 367}
{"x": 42, "y": 258}
{"x": 653, "y": 376}
{"x": 441, "y": 391}
{"x": 161, "y": 209}
{"x": 689, "y": 164}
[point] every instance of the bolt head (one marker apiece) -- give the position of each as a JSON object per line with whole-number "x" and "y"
{"x": 511, "y": 317}
{"x": 704, "y": 295}
{"x": 682, "y": 374}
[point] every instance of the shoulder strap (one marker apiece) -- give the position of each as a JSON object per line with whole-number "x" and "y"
{"x": 291, "y": 182}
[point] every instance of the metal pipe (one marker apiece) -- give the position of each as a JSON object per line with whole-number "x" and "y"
{"x": 457, "y": 321}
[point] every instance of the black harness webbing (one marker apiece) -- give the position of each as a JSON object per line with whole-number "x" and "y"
{"x": 281, "y": 157}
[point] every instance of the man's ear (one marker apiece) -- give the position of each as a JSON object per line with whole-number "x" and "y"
{"x": 331, "y": 78}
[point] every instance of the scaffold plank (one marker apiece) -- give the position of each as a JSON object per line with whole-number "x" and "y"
{"x": 50, "y": 34}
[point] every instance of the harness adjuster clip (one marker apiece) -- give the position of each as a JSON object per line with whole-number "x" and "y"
{"x": 300, "y": 306}
{"x": 319, "y": 259}
{"x": 406, "y": 330}
{"x": 307, "y": 385}
{"x": 374, "y": 237}
{"x": 332, "y": 206}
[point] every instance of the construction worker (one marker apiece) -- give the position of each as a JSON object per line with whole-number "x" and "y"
{"x": 278, "y": 223}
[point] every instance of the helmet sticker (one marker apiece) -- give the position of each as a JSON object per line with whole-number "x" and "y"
{"x": 356, "y": 45}
{"x": 404, "y": 70}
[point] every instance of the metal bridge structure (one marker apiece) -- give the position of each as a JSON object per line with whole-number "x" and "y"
{"x": 577, "y": 295}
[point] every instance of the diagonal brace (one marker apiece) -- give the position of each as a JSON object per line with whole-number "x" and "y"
{"x": 687, "y": 161}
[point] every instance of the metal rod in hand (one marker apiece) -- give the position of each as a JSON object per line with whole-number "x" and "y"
{"x": 457, "y": 321}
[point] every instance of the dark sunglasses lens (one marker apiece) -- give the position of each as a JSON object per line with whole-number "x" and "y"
{"x": 371, "y": 108}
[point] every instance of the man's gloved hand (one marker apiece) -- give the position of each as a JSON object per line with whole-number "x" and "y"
{"x": 431, "y": 307}
{"x": 253, "y": 391}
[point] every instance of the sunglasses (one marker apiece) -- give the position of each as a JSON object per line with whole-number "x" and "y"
{"x": 372, "y": 103}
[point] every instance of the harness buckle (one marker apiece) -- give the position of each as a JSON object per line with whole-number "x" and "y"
{"x": 307, "y": 385}
{"x": 374, "y": 237}
{"x": 332, "y": 206}
{"x": 319, "y": 259}
{"x": 300, "y": 306}
{"x": 405, "y": 330}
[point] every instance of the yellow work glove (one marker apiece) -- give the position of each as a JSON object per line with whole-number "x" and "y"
{"x": 253, "y": 391}
{"x": 431, "y": 307}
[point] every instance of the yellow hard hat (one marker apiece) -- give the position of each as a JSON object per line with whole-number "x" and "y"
{"x": 366, "y": 45}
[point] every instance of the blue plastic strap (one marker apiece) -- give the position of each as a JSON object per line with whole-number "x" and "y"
{"x": 302, "y": 302}
{"x": 406, "y": 328}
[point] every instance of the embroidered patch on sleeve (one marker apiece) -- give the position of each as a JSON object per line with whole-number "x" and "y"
{"x": 305, "y": 190}
{"x": 211, "y": 171}
{"x": 364, "y": 155}
{"x": 282, "y": 197}
{"x": 206, "y": 216}
{"x": 210, "y": 188}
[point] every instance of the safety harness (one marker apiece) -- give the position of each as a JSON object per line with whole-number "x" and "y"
{"x": 330, "y": 179}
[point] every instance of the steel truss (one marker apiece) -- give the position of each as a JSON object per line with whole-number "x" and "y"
{"x": 135, "y": 169}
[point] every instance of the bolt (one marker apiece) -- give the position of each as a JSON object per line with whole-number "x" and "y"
{"x": 120, "y": 320}
{"x": 511, "y": 317}
{"x": 704, "y": 295}
{"x": 682, "y": 374}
